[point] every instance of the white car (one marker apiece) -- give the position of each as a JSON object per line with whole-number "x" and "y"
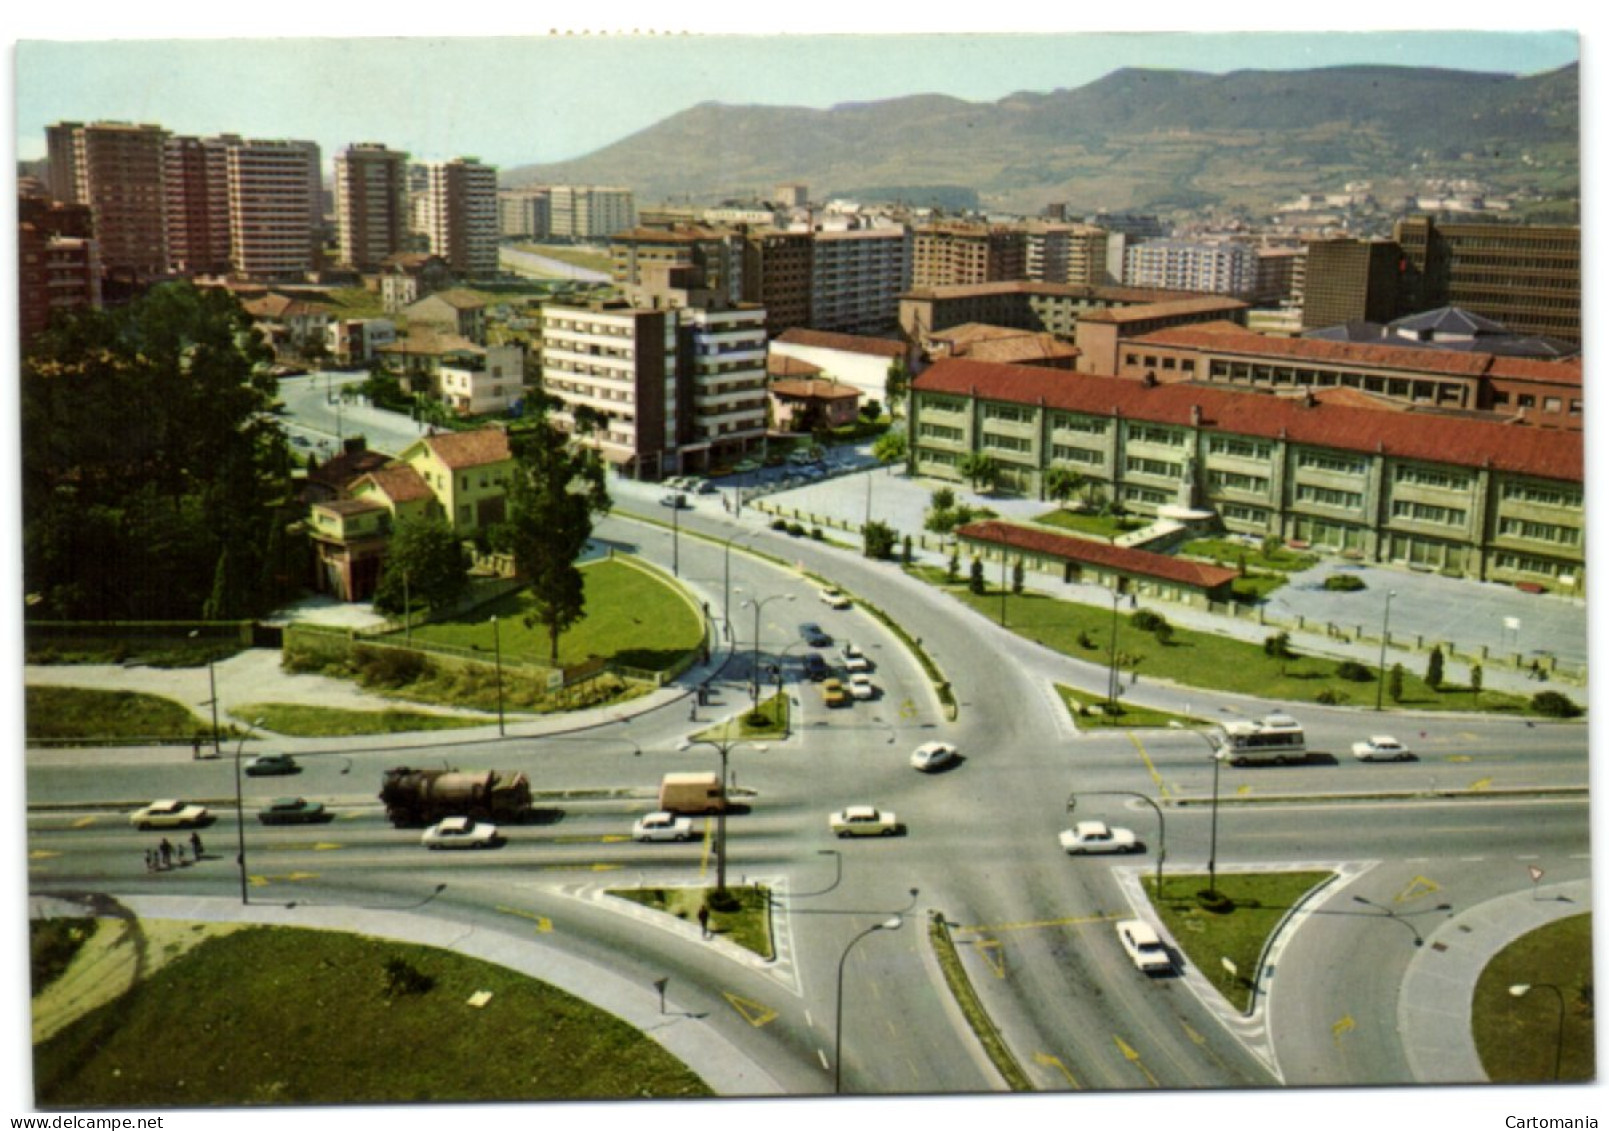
{"x": 1381, "y": 748}
{"x": 1097, "y": 836}
{"x": 461, "y": 832}
{"x": 863, "y": 820}
{"x": 860, "y": 686}
{"x": 168, "y": 815}
{"x": 854, "y": 659}
{"x": 834, "y": 599}
{"x": 1144, "y": 946}
{"x": 932, "y": 756}
{"x": 662, "y": 826}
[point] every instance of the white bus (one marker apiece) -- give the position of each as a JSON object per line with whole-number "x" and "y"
{"x": 1273, "y": 738}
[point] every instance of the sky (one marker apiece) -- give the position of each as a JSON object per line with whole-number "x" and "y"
{"x": 524, "y": 99}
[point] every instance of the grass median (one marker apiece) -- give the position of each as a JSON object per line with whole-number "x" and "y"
{"x": 1546, "y": 1032}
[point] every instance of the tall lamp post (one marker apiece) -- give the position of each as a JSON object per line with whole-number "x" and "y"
{"x": 1385, "y": 634}
{"x": 759, "y": 604}
{"x": 212, "y": 696}
{"x": 1111, "y": 675}
{"x": 724, "y": 748}
{"x": 1217, "y": 764}
{"x": 497, "y": 659}
{"x": 838, "y": 1041}
{"x": 240, "y": 813}
{"x": 1524, "y": 988}
{"x": 1161, "y": 825}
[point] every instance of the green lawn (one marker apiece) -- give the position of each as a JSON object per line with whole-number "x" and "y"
{"x": 1225, "y": 552}
{"x": 66, "y": 714}
{"x": 329, "y": 722}
{"x": 1126, "y": 715}
{"x": 1199, "y": 659}
{"x": 1257, "y": 903}
{"x": 748, "y": 923}
{"x": 1102, "y": 527}
{"x": 587, "y": 258}
{"x": 633, "y": 617}
{"x": 1518, "y": 1037}
{"x": 284, "y": 1016}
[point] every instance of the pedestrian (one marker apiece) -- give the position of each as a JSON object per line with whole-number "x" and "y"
{"x": 195, "y": 845}
{"x": 704, "y": 921}
{"x": 166, "y": 851}
{"x": 195, "y": 749}
{"x": 150, "y": 860}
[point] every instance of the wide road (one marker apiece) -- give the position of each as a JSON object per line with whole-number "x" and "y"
{"x": 979, "y": 848}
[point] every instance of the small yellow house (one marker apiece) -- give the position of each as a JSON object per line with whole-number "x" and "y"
{"x": 467, "y": 473}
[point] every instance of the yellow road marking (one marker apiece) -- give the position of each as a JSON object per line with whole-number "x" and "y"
{"x": 1417, "y": 887}
{"x": 42, "y": 854}
{"x": 583, "y": 867}
{"x": 325, "y": 846}
{"x": 289, "y": 877}
{"x": 1133, "y": 1058}
{"x": 993, "y": 956}
{"x": 1483, "y": 783}
{"x": 1162, "y": 790}
{"x": 543, "y": 923}
{"x": 1343, "y": 1026}
{"x": 1049, "y": 1061}
{"x": 83, "y": 822}
{"x": 1243, "y": 790}
{"x": 753, "y": 1012}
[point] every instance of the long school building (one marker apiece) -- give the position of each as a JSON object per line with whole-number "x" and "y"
{"x": 1464, "y": 497}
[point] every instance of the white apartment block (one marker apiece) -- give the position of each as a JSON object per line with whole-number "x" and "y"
{"x": 724, "y": 355}
{"x": 371, "y": 204}
{"x": 524, "y": 212}
{"x": 619, "y": 363}
{"x": 353, "y": 341}
{"x": 458, "y": 215}
{"x": 275, "y": 207}
{"x": 590, "y": 212}
{"x": 491, "y": 383}
{"x": 1216, "y": 267}
{"x": 857, "y": 277}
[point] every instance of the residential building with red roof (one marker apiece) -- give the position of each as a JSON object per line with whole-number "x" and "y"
{"x": 1470, "y": 497}
{"x": 852, "y": 359}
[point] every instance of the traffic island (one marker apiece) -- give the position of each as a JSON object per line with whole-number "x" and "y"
{"x": 740, "y": 915}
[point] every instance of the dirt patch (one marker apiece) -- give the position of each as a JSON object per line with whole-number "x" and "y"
{"x": 105, "y": 967}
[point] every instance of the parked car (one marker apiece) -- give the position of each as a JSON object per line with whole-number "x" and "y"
{"x": 704, "y": 487}
{"x": 932, "y": 756}
{"x": 1381, "y": 748}
{"x": 291, "y": 811}
{"x": 815, "y": 667}
{"x": 675, "y": 500}
{"x": 860, "y": 686}
{"x": 461, "y": 832}
{"x": 834, "y": 599}
{"x": 1088, "y": 837}
{"x": 269, "y": 765}
{"x": 812, "y": 635}
{"x": 1144, "y": 946}
{"x": 833, "y": 693}
{"x": 854, "y": 659}
{"x": 863, "y": 820}
{"x": 168, "y": 814}
{"x": 662, "y": 826}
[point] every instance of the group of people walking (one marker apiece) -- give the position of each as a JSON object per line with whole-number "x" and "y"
{"x": 167, "y": 856}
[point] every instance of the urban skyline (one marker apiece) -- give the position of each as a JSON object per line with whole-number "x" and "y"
{"x": 342, "y": 91}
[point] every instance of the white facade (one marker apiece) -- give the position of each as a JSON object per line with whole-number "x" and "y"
{"x": 606, "y": 360}
{"x": 728, "y": 374}
{"x": 864, "y": 371}
{"x": 352, "y": 341}
{"x": 492, "y": 386}
{"x": 275, "y": 207}
{"x": 590, "y": 212}
{"x": 1183, "y": 265}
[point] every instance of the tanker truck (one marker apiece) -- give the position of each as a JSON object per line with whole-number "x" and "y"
{"x": 422, "y": 797}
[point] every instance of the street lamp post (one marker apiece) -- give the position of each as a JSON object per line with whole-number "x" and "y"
{"x": 212, "y": 697}
{"x": 1385, "y": 634}
{"x": 724, "y": 747}
{"x": 497, "y": 659}
{"x": 240, "y": 813}
{"x": 1111, "y": 676}
{"x": 1212, "y": 849}
{"x": 838, "y": 1041}
{"x": 754, "y": 675}
{"x": 1524, "y": 988}
{"x": 1161, "y": 826}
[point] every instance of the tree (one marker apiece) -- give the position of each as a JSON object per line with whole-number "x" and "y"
{"x": 424, "y": 566}
{"x": 979, "y": 467}
{"x": 1062, "y": 483}
{"x": 1017, "y": 577}
{"x": 148, "y": 458}
{"x": 906, "y": 555}
{"x": 1475, "y": 678}
{"x": 953, "y": 570}
{"x": 897, "y": 385}
{"x": 890, "y": 448}
{"x": 880, "y": 540}
{"x": 976, "y": 583}
{"x": 556, "y": 492}
{"x": 943, "y": 499}
{"x": 1394, "y": 683}
{"x": 1433, "y": 669}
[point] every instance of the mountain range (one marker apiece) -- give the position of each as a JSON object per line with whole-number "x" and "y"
{"x": 1154, "y": 140}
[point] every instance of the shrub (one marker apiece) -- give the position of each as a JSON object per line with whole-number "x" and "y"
{"x": 1331, "y": 697}
{"x": 1214, "y": 901}
{"x": 1278, "y": 646}
{"x": 780, "y": 525}
{"x": 403, "y": 978}
{"x": 795, "y": 529}
{"x": 1554, "y": 705}
{"x": 1344, "y": 583}
{"x": 388, "y": 667}
{"x": 1354, "y": 671}
{"x": 975, "y": 582}
{"x": 815, "y": 533}
{"x": 1433, "y": 669}
{"x": 1147, "y": 621}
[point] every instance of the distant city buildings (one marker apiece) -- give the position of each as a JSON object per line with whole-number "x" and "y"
{"x": 371, "y": 205}
{"x": 458, "y": 215}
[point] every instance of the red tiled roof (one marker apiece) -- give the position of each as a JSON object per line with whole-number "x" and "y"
{"x": 781, "y": 365}
{"x": 848, "y": 343}
{"x": 398, "y": 482}
{"x": 1566, "y": 372}
{"x": 470, "y": 449}
{"x": 1467, "y": 443}
{"x": 1254, "y": 345}
{"x": 1168, "y": 308}
{"x": 1141, "y": 563}
{"x": 815, "y": 390}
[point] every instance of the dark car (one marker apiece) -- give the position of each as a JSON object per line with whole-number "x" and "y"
{"x": 815, "y": 667}
{"x": 291, "y": 811}
{"x": 812, "y": 635}
{"x": 269, "y": 765}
